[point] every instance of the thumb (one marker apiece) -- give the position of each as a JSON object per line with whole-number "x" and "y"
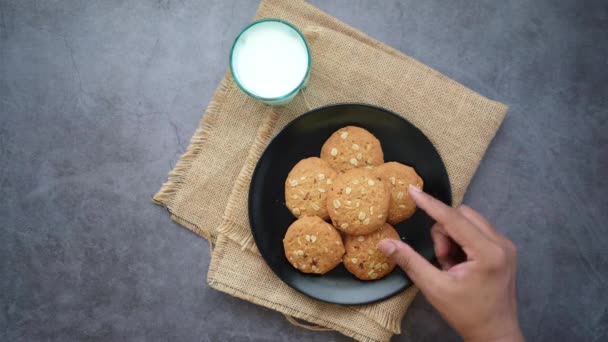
{"x": 417, "y": 268}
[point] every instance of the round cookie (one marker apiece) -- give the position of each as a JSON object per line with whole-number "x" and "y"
{"x": 307, "y": 186}
{"x": 351, "y": 147}
{"x": 397, "y": 178}
{"x": 313, "y": 245}
{"x": 358, "y": 202}
{"x": 363, "y": 259}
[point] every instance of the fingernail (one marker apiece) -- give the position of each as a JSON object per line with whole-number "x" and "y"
{"x": 413, "y": 188}
{"x": 387, "y": 247}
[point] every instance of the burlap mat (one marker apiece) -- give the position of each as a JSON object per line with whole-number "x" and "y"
{"x": 207, "y": 190}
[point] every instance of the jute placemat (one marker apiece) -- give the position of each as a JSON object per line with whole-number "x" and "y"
{"x": 207, "y": 190}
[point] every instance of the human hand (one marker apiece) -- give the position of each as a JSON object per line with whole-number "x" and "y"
{"x": 475, "y": 289}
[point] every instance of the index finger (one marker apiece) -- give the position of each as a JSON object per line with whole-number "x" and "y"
{"x": 455, "y": 224}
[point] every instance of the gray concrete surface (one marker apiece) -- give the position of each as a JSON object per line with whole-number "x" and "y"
{"x": 99, "y": 98}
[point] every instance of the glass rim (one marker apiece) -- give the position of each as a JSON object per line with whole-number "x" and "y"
{"x": 291, "y": 92}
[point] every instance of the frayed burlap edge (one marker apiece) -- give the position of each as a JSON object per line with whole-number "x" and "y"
{"x": 235, "y": 231}
{"x": 166, "y": 195}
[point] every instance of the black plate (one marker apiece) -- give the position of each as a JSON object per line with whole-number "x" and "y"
{"x": 302, "y": 138}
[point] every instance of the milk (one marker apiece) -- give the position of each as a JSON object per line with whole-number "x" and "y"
{"x": 270, "y": 61}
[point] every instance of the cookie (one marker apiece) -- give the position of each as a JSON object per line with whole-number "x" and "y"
{"x": 352, "y": 147}
{"x": 398, "y": 177}
{"x": 363, "y": 258}
{"x": 313, "y": 245}
{"x": 307, "y": 186}
{"x": 358, "y": 202}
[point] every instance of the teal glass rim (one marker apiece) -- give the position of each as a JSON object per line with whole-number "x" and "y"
{"x": 290, "y": 93}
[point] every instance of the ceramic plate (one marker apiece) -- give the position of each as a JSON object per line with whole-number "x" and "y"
{"x": 302, "y": 138}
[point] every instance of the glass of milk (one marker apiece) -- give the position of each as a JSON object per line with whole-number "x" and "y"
{"x": 270, "y": 61}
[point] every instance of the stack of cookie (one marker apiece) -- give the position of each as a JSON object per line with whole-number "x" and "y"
{"x": 351, "y": 186}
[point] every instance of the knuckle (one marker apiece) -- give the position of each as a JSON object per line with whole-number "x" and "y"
{"x": 436, "y": 229}
{"x": 502, "y": 257}
{"x": 405, "y": 263}
{"x": 509, "y": 248}
{"x": 499, "y": 258}
{"x": 452, "y": 216}
{"x": 512, "y": 248}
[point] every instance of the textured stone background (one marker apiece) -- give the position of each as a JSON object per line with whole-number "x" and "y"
{"x": 99, "y": 98}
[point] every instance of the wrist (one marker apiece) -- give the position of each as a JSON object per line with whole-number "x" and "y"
{"x": 513, "y": 335}
{"x": 508, "y": 332}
